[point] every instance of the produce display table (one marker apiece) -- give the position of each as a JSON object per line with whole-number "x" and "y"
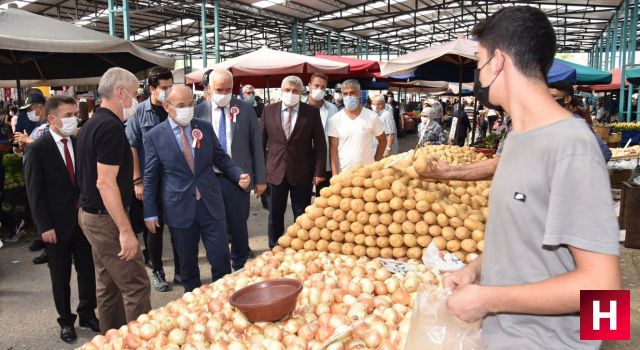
{"x": 346, "y": 303}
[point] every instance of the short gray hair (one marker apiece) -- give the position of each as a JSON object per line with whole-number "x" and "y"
{"x": 175, "y": 88}
{"x": 113, "y": 78}
{"x": 293, "y": 80}
{"x": 378, "y": 98}
{"x": 220, "y": 72}
{"x": 351, "y": 83}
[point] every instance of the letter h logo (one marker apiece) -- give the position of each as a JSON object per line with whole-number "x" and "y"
{"x": 605, "y": 315}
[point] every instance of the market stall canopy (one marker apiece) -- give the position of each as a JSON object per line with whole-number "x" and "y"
{"x": 633, "y": 75}
{"x": 420, "y": 86}
{"x": 51, "y": 82}
{"x": 34, "y": 47}
{"x": 587, "y": 75}
{"x": 614, "y": 85}
{"x": 561, "y": 72}
{"x": 356, "y": 65}
{"x": 266, "y": 62}
{"x": 451, "y": 61}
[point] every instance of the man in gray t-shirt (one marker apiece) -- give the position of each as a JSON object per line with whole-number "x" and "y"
{"x": 551, "y": 231}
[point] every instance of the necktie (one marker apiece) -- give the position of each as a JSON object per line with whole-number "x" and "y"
{"x": 222, "y": 131}
{"x": 186, "y": 151}
{"x": 69, "y": 162}
{"x": 287, "y": 123}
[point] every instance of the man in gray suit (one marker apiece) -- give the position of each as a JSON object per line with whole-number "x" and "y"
{"x": 236, "y": 126}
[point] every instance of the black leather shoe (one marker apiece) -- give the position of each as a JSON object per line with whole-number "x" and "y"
{"x": 177, "y": 279}
{"x": 92, "y": 324}
{"x": 68, "y": 334}
{"x": 42, "y": 259}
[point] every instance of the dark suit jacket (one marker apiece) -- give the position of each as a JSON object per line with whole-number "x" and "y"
{"x": 246, "y": 143}
{"x": 52, "y": 195}
{"x": 166, "y": 171}
{"x": 301, "y": 157}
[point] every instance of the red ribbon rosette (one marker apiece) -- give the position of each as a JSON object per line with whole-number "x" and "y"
{"x": 197, "y": 136}
{"x": 234, "y": 112}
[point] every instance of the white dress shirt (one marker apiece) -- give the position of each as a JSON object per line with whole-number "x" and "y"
{"x": 294, "y": 116}
{"x": 215, "y": 121}
{"x": 58, "y": 139}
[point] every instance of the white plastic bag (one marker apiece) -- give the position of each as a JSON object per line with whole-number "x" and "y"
{"x": 433, "y": 327}
{"x": 446, "y": 262}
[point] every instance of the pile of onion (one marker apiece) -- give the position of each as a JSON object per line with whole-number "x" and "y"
{"x": 339, "y": 292}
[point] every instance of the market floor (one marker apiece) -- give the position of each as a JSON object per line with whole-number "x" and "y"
{"x": 28, "y": 316}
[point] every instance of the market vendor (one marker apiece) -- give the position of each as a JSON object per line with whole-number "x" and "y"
{"x": 555, "y": 232}
{"x": 562, "y": 92}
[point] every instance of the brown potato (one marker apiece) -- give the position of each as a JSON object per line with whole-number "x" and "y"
{"x": 347, "y": 248}
{"x": 453, "y": 245}
{"x": 429, "y": 217}
{"x": 399, "y": 189}
{"x": 480, "y": 245}
{"x": 309, "y": 245}
{"x": 339, "y": 215}
{"x": 399, "y": 252}
{"x": 314, "y": 234}
{"x": 369, "y": 230}
{"x": 424, "y": 241}
{"x": 384, "y": 195}
{"x": 408, "y": 227}
{"x": 409, "y": 204}
{"x": 322, "y": 245}
{"x": 386, "y": 219}
{"x": 357, "y": 205}
{"x": 325, "y": 234}
{"x": 349, "y": 237}
{"x": 477, "y": 235}
{"x": 414, "y": 253}
{"x": 442, "y": 220}
{"x": 345, "y": 204}
{"x": 371, "y": 207}
{"x": 326, "y": 192}
{"x": 369, "y": 183}
{"x": 346, "y": 192}
{"x": 303, "y": 234}
{"x": 448, "y": 233}
{"x": 414, "y": 216}
{"x": 344, "y": 226}
{"x": 359, "y": 251}
{"x": 333, "y": 225}
{"x": 356, "y": 228}
{"x": 370, "y": 241}
{"x": 359, "y": 240}
{"x": 351, "y": 216}
{"x": 395, "y": 228}
{"x": 370, "y": 194}
{"x": 373, "y": 252}
{"x": 381, "y": 242}
{"x": 396, "y": 203}
{"x": 469, "y": 245}
{"x": 334, "y": 201}
{"x": 285, "y": 241}
{"x": 423, "y": 206}
{"x": 374, "y": 219}
{"x": 328, "y": 211}
{"x": 321, "y": 202}
{"x": 381, "y": 184}
{"x": 422, "y": 228}
{"x": 357, "y": 181}
{"x": 440, "y": 242}
{"x": 335, "y": 247}
{"x": 386, "y": 253}
{"x": 396, "y": 240}
{"x": 399, "y": 216}
{"x": 435, "y": 230}
{"x": 384, "y": 208}
{"x": 462, "y": 233}
{"x": 363, "y": 217}
{"x": 297, "y": 244}
{"x": 455, "y": 222}
{"x": 410, "y": 240}
{"x": 357, "y": 192}
{"x": 437, "y": 208}
{"x": 382, "y": 230}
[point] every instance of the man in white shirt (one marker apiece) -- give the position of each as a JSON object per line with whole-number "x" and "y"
{"x": 317, "y": 89}
{"x": 352, "y": 131}
{"x": 390, "y": 131}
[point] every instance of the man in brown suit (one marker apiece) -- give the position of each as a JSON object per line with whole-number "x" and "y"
{"x": 292, "y": 133}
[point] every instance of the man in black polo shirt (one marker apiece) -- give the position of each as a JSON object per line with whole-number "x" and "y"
{"x": 105, "y": 173}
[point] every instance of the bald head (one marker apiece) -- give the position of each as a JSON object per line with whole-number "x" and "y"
{"x": 178, "y": 96}
{"x": 221, "y": 82}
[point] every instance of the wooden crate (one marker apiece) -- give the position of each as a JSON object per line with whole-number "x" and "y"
{"x": 617, "y": 177}
{"x": 629, "y": 218}
{"x": 602, "y": 131}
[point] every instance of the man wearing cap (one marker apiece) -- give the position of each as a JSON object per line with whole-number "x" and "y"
{"x": 34, "y": 105}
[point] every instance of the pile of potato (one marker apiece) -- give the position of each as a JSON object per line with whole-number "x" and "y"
{"x": 392, "y": 213}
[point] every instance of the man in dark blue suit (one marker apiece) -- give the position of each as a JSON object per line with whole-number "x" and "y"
{"x": 236, "y": 126}
{"x": 180, "y": 157}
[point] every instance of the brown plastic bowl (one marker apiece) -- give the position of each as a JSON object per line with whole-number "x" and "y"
{"x": 267, "y": 301}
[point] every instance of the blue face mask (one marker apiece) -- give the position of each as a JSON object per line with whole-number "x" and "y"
{"x": 350, "y": 102}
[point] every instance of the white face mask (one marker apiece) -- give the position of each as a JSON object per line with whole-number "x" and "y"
{"x": 184, "y": 115}
{"x": 33, "y": 116}
{"x": 129, "y": 112}
{"x": 290, "y": 99}
{"x": 351, "y": 103}
{"x": 69, "y": 126}
{"x": 425, "y": 119}
{"x": 317, "y": 94}
{"x": 338, "y": 96}
{"x": 221, "y": 100}
{"x": 162, "y": 95}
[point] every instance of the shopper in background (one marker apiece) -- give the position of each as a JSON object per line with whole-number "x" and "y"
{"x": 429, "y": 131}
{"x": 105, "y": 180}
{"x": 49, "y": 167}
{"x": 149, "y": 114}
{"x": 462, "y": 125}
{"x": 180, "y": 157}
{"x": 544, "y": 247}
{"x": 602, "y": 113}
{"x": 34, "y": 106}
{"x": 389, "y": 126}
{"x": 395, "y": 110}
{"x": 317, "y": 90}
{"x": 293, "y": 136}
{"x": 236, "y": 127}
{"x": 337, "y": 96}
{"x": 249, "y": 96}
{"x": 24, "y": 124}
{"x": 352, "y": 131}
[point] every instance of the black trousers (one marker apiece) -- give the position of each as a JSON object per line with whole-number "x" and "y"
{"x": 300, "y": 199}
{"x": 61, "y": 255}
{"x": 153, "y": 241}
{"x": 237, "y": 207}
